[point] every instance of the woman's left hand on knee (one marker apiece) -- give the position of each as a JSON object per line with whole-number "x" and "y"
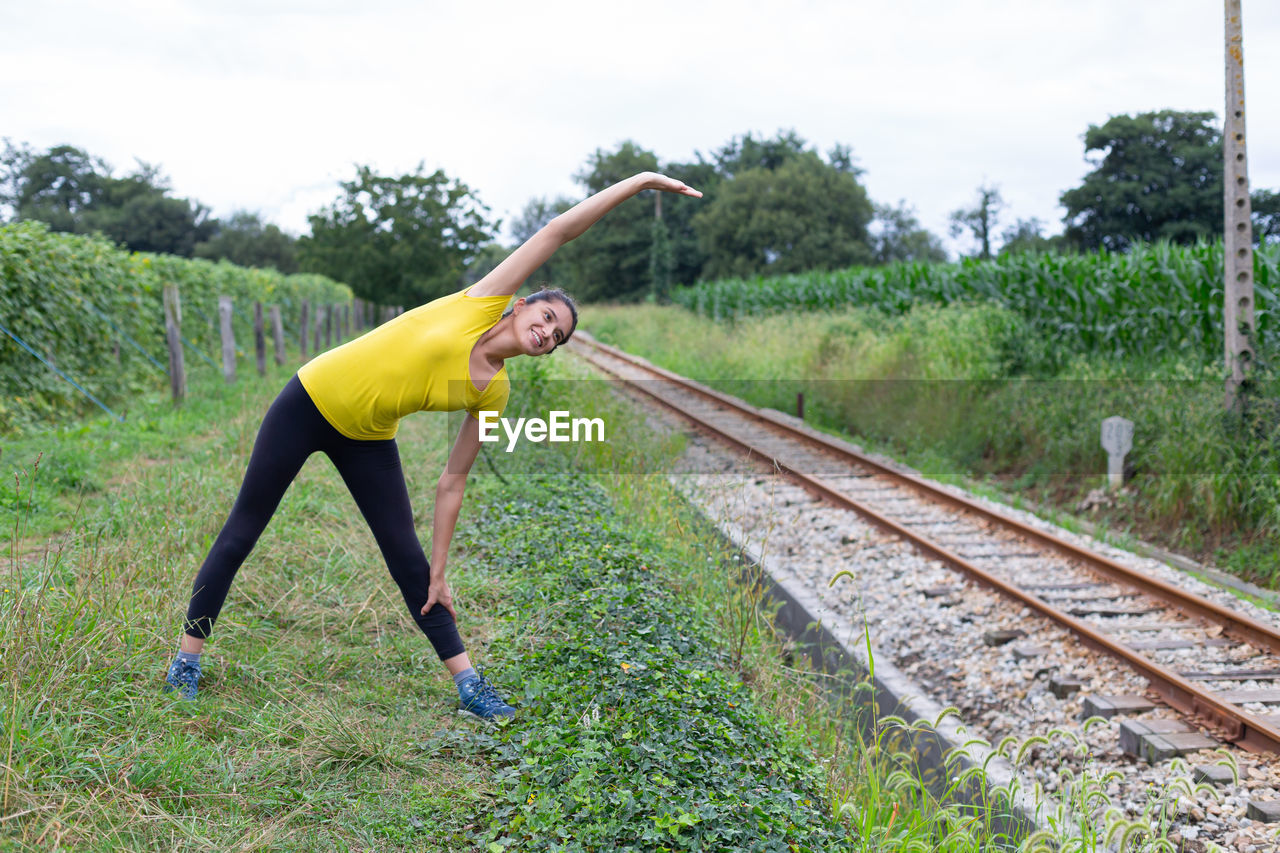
{"x": 439, "y": 593}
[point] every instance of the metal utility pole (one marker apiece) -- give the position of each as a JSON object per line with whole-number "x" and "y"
{"x": 1237, "y": 243}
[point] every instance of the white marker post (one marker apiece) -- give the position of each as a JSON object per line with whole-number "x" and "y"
{"x": 1117, "y": 440}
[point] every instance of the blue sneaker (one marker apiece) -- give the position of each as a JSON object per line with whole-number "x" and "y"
{"x": 183, "y": 677}
{"x": 479, "y": 699}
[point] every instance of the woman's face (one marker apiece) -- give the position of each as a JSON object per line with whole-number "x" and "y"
{"x": 543, "y": 325}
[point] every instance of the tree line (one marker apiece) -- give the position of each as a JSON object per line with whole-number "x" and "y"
{"x": 772, "y": 206}
{"x": 75, "y": 192}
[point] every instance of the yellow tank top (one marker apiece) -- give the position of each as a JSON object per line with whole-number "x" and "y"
{"x": 419, "y": 360}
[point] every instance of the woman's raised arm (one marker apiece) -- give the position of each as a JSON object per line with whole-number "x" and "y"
{"x": 507, "y": 276}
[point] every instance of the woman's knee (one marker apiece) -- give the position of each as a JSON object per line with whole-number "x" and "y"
{"x": 409, "y": 568}
{"x": 232, "y": 548}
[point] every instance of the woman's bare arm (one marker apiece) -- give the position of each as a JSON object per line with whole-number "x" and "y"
{"x": 507, "y": 276}
{"x": 449, "y": 491}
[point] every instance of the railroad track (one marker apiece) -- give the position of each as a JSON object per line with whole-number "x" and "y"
{"x": 1203, "y": 659}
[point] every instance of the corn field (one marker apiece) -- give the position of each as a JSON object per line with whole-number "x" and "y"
{"x": 1151, "y": 301}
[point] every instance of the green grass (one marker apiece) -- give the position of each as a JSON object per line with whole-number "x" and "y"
{"x": 943, "y": 389}
{"x": 319, "y": 693}
{"x": 325, "y": 721}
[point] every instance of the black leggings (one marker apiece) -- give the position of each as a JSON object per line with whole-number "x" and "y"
{"x": 292, "y": 430}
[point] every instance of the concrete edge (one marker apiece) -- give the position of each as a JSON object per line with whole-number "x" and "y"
{"x": 850, "y": 662}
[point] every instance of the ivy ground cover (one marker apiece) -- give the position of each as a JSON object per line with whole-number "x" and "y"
{"x": 631, "y": 734}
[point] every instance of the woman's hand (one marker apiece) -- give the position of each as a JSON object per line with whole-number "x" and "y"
{"x": 654, "y": 181}
{"x": 439, "y": 593}
{"x": 506, "y": 278}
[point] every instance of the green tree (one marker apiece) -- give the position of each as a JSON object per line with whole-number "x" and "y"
{"x": 397, "y": 240}
{"x": 537, "y": 213}
{"x": 979, "y": 220}
{"x": 244, "y": 239}
{"x": 484, "y": 262}
{"x": 58, "y": 187}
{"x": 611, "y": 260}
{"x": 1266, "y": 216}
{"x": 744, "y": 153}
{"x": 1027, "y": 235}
{"x": 687, "y": 257}
{"x": 900, "y": 237}
{"x": 842, "y": 160}
{"x": 73, "y": 191}
{"x": 1158, "y": 176}
{"x": 652, "y": 244}
{"x": 661, "y": 261}
{"x": 706, "y": 172}
{"x": 137, "y": 211}
{"x": 13, "y": 162}
{"x": 803, "y": 215}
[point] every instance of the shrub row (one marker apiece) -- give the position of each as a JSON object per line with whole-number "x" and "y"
{"x": 96, "y": 312}
{"x": 1151, "y": 301}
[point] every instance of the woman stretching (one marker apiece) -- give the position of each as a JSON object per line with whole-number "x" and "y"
{"x": 447, "y": 355}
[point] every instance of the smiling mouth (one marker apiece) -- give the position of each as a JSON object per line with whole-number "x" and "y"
{"x": 537, "y": 339}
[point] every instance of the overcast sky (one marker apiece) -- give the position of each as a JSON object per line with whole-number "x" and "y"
{"x": 266, "y": 105}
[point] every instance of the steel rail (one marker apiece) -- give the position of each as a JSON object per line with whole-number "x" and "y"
{"x": 1243, "y": 728}
{"x": 1250, "y": 630}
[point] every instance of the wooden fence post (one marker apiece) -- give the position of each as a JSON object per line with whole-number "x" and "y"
{"x": 302, "y": 336}
{"x": 316, "y": 323}
{"x": 259, "y": 339}
{"x": 277, "y": 329}
{"x": 228, "y": 339}
{"x": 328, "y": 326}
{"x": 173, "y": 335}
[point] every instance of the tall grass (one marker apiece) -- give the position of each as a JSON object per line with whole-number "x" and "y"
{"x": 1150, "y": 302}
{"x": 944, "y": 387}
{"x": 318, "y": 689}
